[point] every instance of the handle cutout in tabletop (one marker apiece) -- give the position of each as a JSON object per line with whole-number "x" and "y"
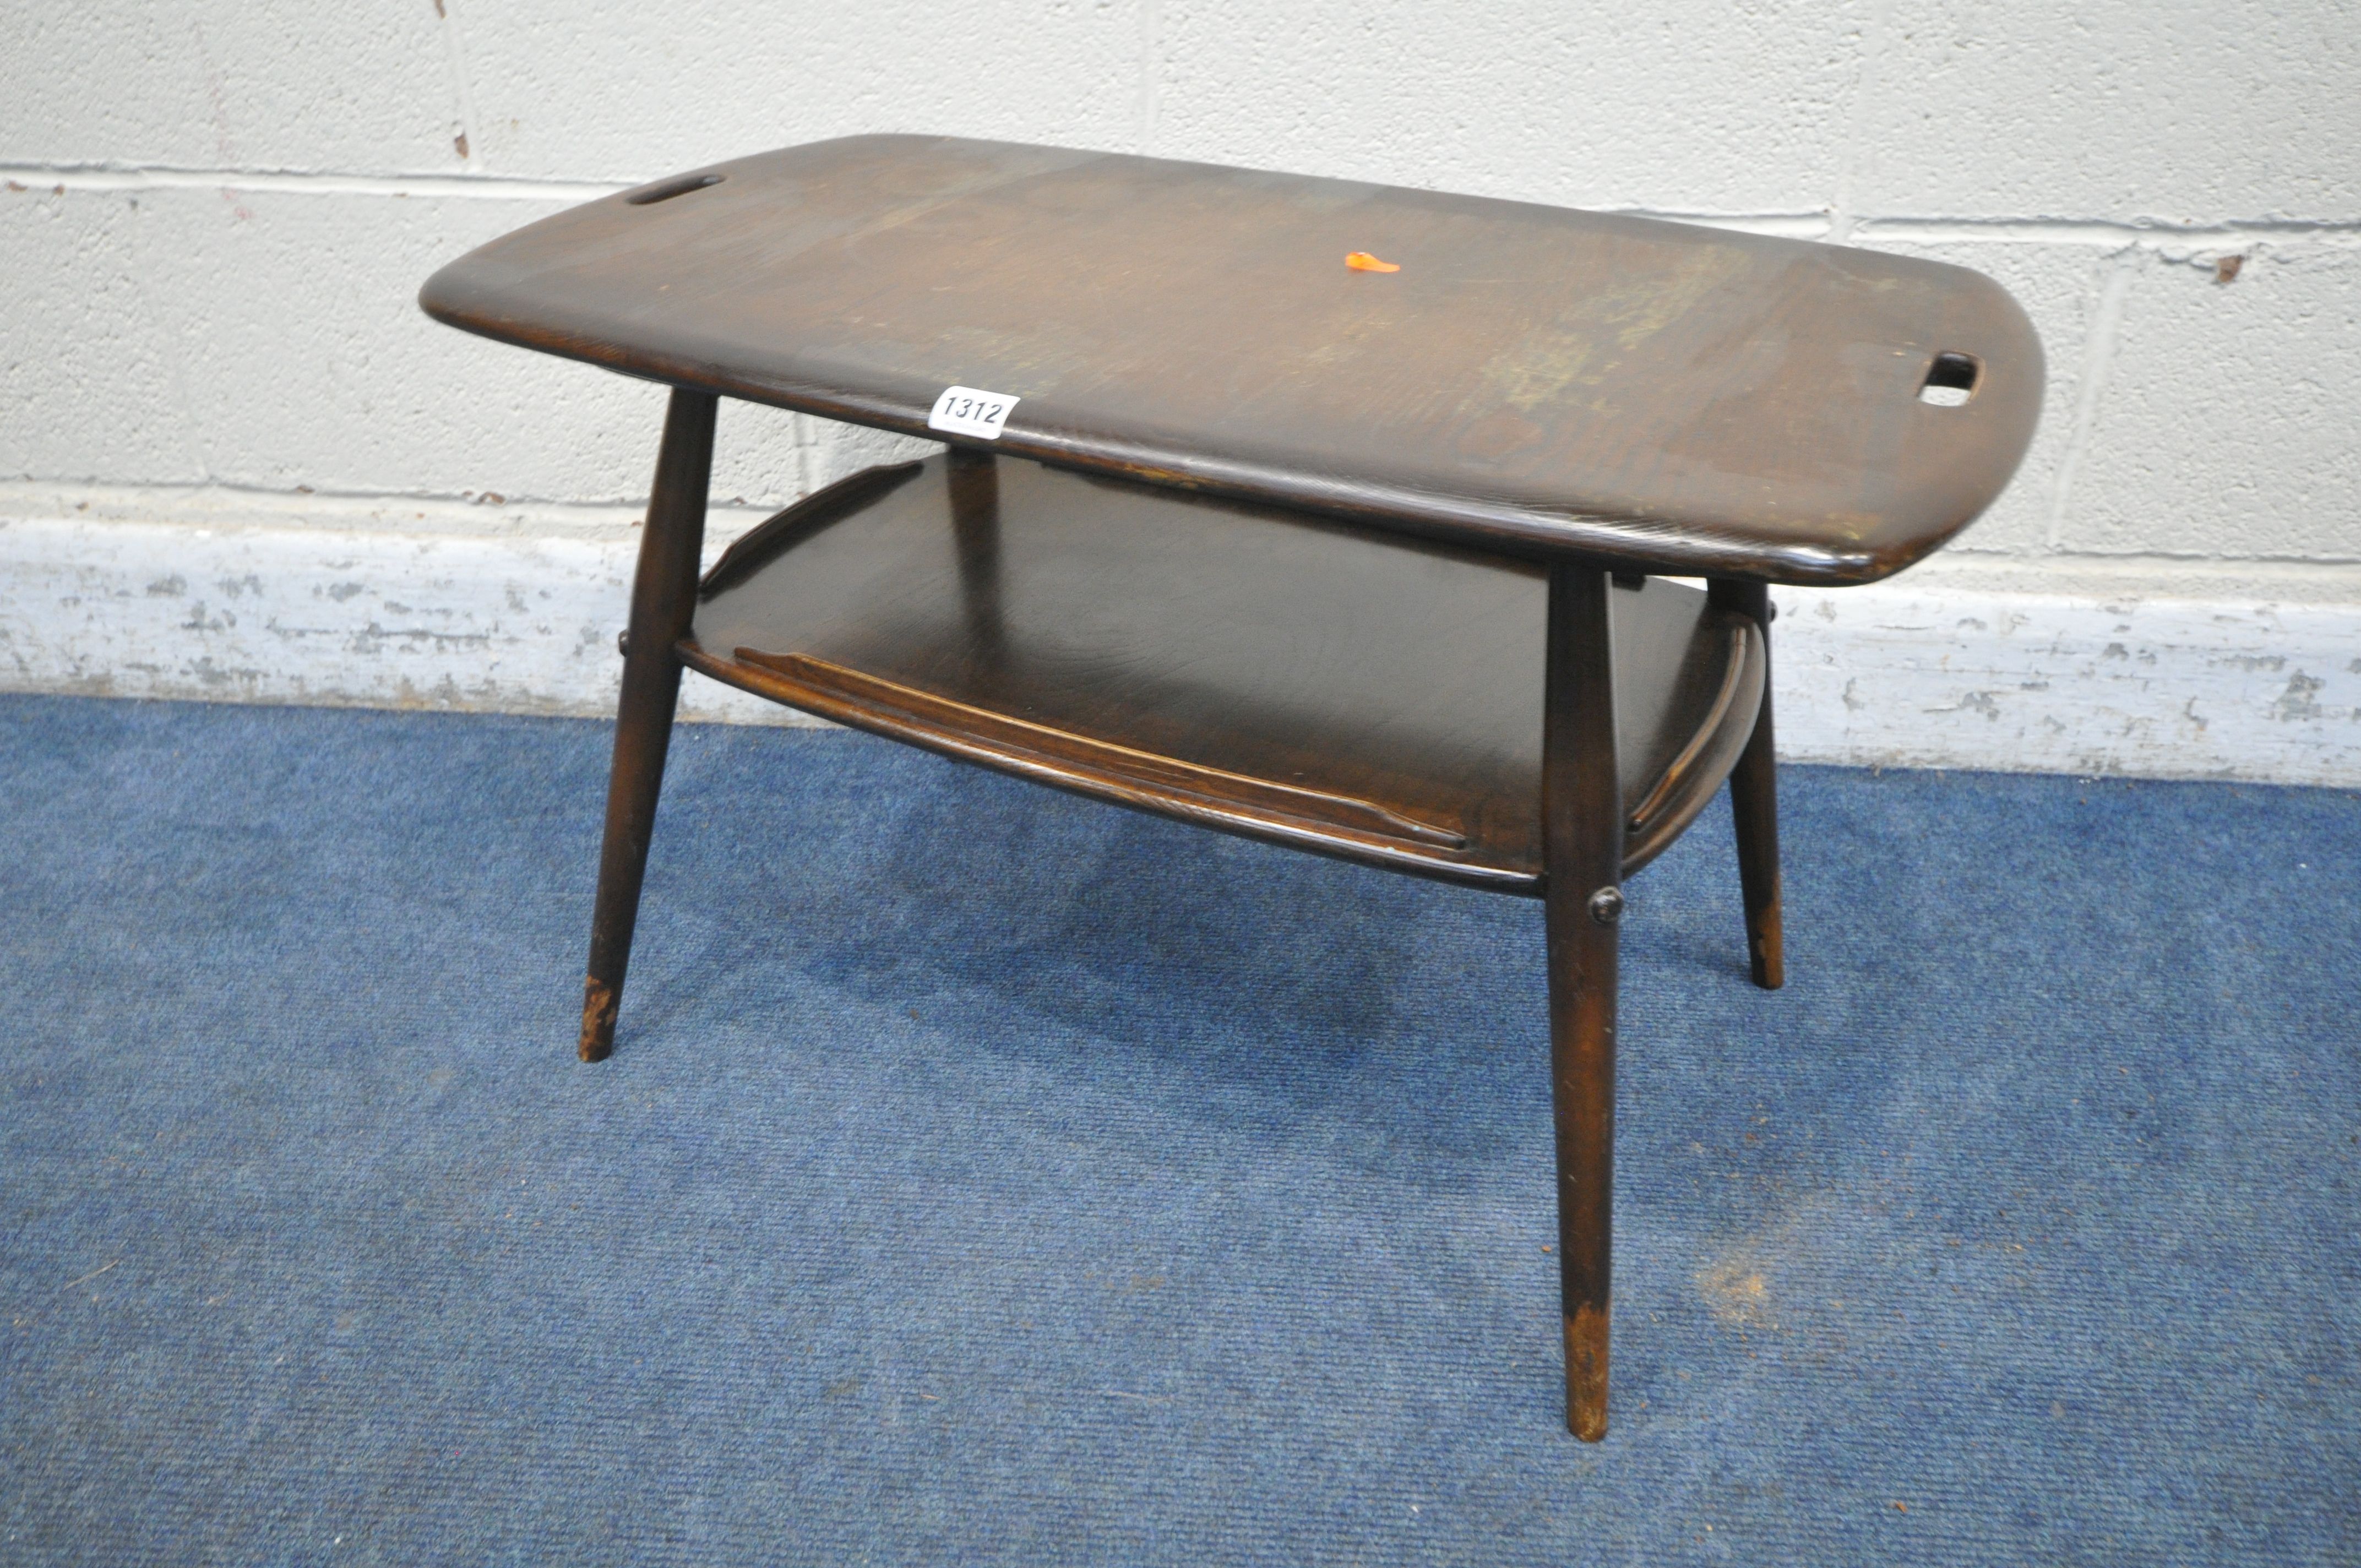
{"x": 1952, "y": 379}
{"x": 665, "y": 189}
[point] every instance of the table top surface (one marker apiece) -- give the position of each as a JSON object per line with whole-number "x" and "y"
{"x": 1661, "y": 396}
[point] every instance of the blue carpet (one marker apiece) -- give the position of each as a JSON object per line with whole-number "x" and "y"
{"x": 991, "y": 1176}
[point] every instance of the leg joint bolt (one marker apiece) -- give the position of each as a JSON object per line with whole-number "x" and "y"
{"x": 1606, "y": 905}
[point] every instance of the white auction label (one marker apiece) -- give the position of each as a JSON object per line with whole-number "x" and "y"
{"x": 964, "y": 411}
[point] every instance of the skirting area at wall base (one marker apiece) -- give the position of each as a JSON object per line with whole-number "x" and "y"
{"x": 1940, "y": 669}
{"x": 1967, "y": 662}
{"x": 339, "y": 603}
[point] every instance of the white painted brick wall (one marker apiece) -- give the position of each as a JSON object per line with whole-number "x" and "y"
{"x": 212, "y": 373}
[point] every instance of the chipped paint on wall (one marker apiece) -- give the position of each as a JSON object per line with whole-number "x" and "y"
{"x": 1932, "y": 675}
{"x": 523, "y": 621}
{"x": 470, "y": 622}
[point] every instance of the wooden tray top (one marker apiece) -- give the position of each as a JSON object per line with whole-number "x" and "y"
{"x": 1659, "y": 396}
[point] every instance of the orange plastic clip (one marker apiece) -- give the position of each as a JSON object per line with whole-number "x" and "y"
{"x": 1362, "y": 261}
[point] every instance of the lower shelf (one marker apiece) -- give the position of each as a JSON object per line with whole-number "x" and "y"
{"x": 1354, "y": 692}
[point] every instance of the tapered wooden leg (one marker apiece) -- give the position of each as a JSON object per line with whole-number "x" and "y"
{"x": 1754, "y": 805}
{"x": 1582, "y": 846}
{"x": 664, "y": 598}
{"x": 973, "y": 482}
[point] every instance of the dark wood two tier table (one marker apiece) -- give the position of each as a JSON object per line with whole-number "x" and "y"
{"x": 1332, "y": 514}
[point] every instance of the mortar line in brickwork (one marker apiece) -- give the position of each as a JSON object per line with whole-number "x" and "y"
{"x": 2105, "y": 232}
{"x": 2098, "y": 359}
{"x": 190, "y": 436}
{"x": 1152, "y": 73}
{"x": 1930, "y": 229}
{"x": 1842, "y": 209}
{"x": 469, "y": 142}
{"x": 479, "y": 187}
{"x": 2339, "y": 572}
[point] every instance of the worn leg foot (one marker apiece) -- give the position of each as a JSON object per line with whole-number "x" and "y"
{"x": 1582, "y": 839}
{"x": 1586, "y": 1373}
{"x": 664, "y": 598}
{"x": 1754, "y": 805}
